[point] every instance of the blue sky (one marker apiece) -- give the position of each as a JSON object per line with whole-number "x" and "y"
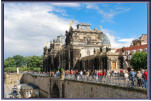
{"x": 28, "y": 26}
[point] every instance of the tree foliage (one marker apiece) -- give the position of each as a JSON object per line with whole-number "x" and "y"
{"x": 139, "y": 60}
{"x": 24, "y": 63}
{"x": 9, "y": 62}
{"x": 19, "y": 60}
{"x": 34, "y": 61}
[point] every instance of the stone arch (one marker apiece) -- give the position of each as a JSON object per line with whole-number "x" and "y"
{"x": 55, "y": 91}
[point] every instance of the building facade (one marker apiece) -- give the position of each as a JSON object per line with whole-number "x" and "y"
{"x": 81, "y": 48}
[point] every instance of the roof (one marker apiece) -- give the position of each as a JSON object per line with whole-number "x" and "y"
{"x": 133, "y": 48}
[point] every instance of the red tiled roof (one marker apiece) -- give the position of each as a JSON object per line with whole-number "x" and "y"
{"x": 133, "y": 48}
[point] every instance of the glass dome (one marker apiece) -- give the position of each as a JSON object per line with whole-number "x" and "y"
{"x": 105, "y": 40}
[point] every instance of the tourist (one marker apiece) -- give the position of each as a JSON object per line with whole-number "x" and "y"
{"x": 143, "y": 78}
{"x": 132, "y": 77}
{"x": 76, "y": 74}
{"x": 126, "y": 76}
{"x": 62, "y": 75}
{"x": 58, "y": 73}
{"x": 99, "y": 75}
{"x": 139, "y": 78}
{"x": 145, "y": 81}
{"x": 84, "y": 74}
{"x": 96, "y": 75}
{"x": 112, "y": 73}
{"x": 104, "y": 73}
{"x": 52, "y": 74}
{"x": 71, "y": 73}
{"x": 121, "y": 72}
{"x": 87, "y": 74}
{"x": 108, "y": 74}
{"x": 68, "y": 73}
{"x": 81, "y": 74}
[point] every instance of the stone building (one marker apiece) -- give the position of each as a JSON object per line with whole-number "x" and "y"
{"x": 142, "y": 40}
{"x": 81, "y": 48}
{"x": 83, "y": 42}
{"x": 53, "y": 54}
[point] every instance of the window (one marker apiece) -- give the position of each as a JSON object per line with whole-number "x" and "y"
{"x": 88, "y": 40}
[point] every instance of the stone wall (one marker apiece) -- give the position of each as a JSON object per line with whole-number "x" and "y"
{"x": 41, "y": 81}
{"x": 79, "y": 89}
{"x": 56, "y": 88}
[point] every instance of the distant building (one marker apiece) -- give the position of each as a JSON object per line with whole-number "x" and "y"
{"x": 140, "y": 41}
{"x": 137, "y": 45}
{"x": 29, "y": 91}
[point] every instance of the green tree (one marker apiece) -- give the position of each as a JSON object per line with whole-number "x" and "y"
{"x": 139, "y": 60}
{"x": 9, "y": 62}
{"x": 24, "y": 63}
{"x": 19, "y": 60}
{"x": 34, "y": 61}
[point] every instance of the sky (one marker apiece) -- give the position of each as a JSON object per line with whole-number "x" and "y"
{"x": 28, "y": 26}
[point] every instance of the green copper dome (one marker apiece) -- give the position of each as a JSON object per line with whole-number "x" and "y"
{"x": 105, "y": 40}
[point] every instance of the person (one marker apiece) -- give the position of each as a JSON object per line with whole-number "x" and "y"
{"x": 81, "y": 74}
{"x": 115, "y": 72}
{"x": 96, "y": 75}
{"x": 139, "y": 77}
{"x": 58, "y": 73}
{"x": 108, "y": 74}
{"x": 145, "y": 81}
{"x": 84, "y": 74}
{"x": 52, "y": 74}
{"x": 126, "y": 76}
{"x": 104, "y": 73}
{"x": 121, "y": 72}
{"x": 99, "y": 75}
{"x": 71, "y": 74}
{"x": 62, "y": 75}
{"x": 87, "y": 74}
{"x": 132, "y": 77}
{"x": 112, "y": 74}
{"x": 76, "y": 74}
{"x": 143, "y": 78}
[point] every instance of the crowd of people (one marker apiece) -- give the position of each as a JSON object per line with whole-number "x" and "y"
{"x": 134, "y": 78}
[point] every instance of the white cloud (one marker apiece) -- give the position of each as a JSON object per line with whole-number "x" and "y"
{"x": 107, "y": 15}
{"x": 117, "y": 43}
{"x": 28, "y": 26}
{"x": 91, "y": 6}
{"x": 67, "y": 4}
{"x": 126, "y": 40}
